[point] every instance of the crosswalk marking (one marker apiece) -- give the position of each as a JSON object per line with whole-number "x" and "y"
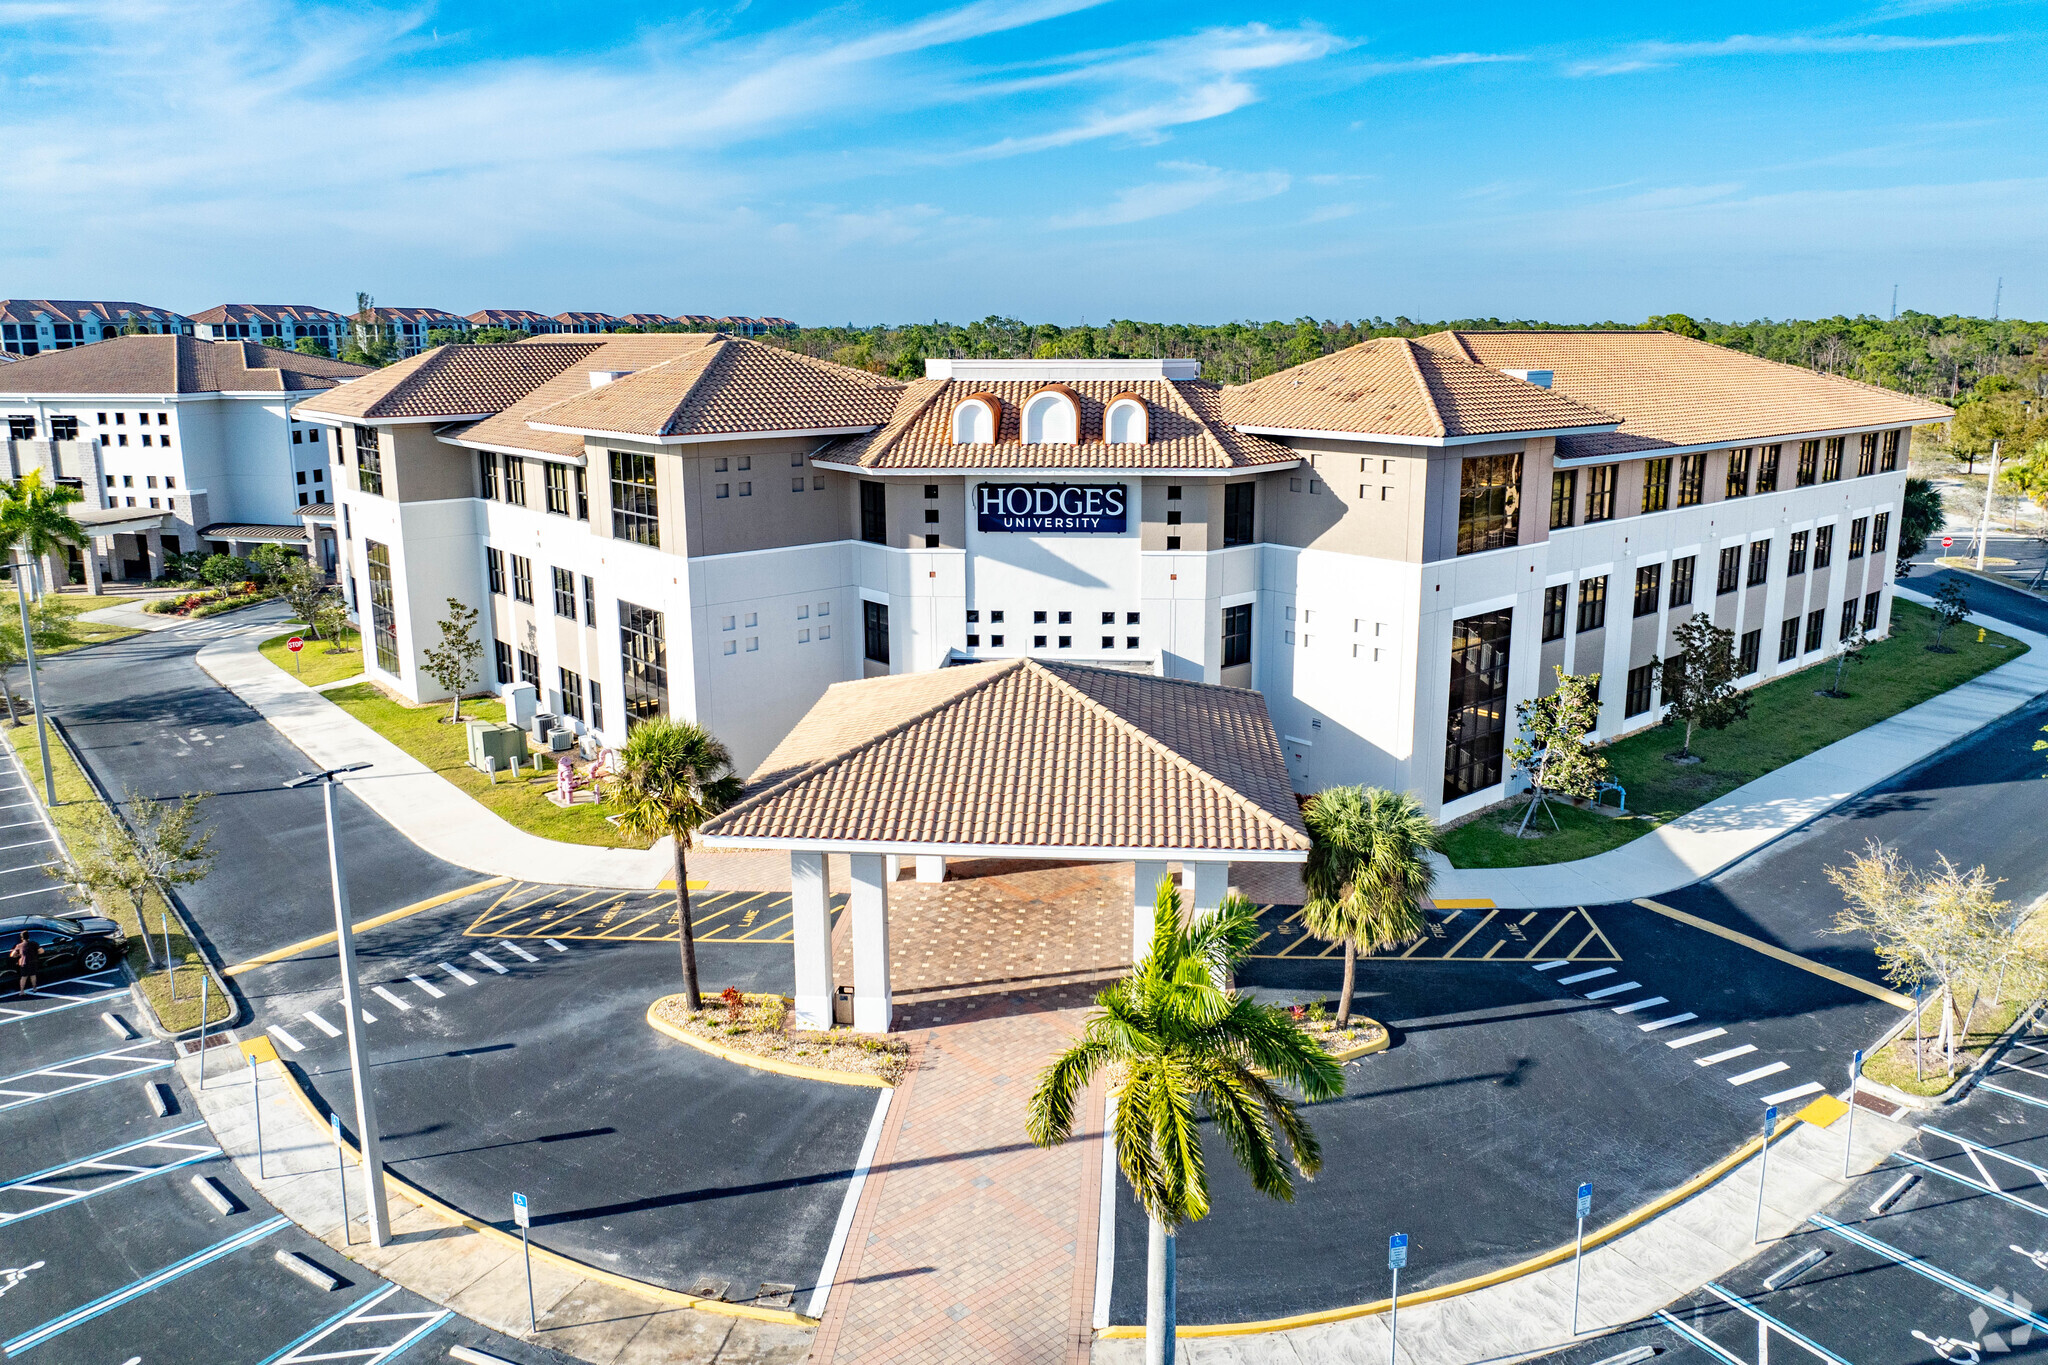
{"x": 1546, "y": 966}
{"x": 429, "y": 987}
{"x": 515, "y": 948}
{"x": 1603, "y": 993}
{"x": 313, "y": 1018}
{"x": 1746, "y": 1077}
{"x": 1656, "y": 1024}
{"x": 1585, "y": 976}
{"x": 487, "y": 962}
{"x": 1715, "y": 1059}
{"x": 285, "y": 1038}
{"x": 1692, "y": 1038}
{"x": 464, "y": 977}
{"x": 1797, "y": 1092}
{"x": 556, "y": 946}
{"x": 1632, "y": 1007}
{"x": 392, "y": 998}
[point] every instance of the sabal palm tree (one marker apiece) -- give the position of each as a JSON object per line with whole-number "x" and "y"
{"x": 1178, "y": 1045}
{"x": 33, "y": 520}
{"x": 1367, "y": 873}
{"x": 673, "y": 776}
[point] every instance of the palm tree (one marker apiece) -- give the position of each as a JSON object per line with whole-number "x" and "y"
{"x": 673, "y": 776}
{"x": 1367, "y": 875}
{"x": 1179, "y": 1045}
{"x": 33, "y": 520}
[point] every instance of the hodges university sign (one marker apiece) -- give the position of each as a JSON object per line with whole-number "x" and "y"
{"x": 1055, "y": 507}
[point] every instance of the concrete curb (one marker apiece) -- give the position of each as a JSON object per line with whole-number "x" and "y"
{"x": 759, "y": 1063}
{"x": 1965, "y": 1081}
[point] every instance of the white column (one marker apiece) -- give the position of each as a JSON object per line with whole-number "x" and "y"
{"x": 1144, "y": 892}
{"x": 91, "y": 556}
{"x": 931, "y": 867}
{"x": 811, "y": 918}
{"x": 870, "y": 909}
{"x": 1211, "y": 884}
{"x": 153, "y": 552}
{"x": 892, "y": 866}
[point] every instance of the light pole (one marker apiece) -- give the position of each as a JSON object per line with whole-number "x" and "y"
{"x": 352, "y": 1014}
{"x": 1983, "y": 522}
{"x": 35, "y": 691}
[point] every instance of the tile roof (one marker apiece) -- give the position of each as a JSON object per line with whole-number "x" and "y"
{"x": 76, "y": 310}
{"x": 229, "y": 530}
{"x": 1184, "y": 424}
{"x": 455, "y": 381}
{"x": 1391, "y": 386}
{"x": 508, "y": 430}
{"x": 176, "y": 364}
{"x": 506, "y": 317}
{"x": 1031, "y": 755}
{"x": 725, "y": 384}
{"x": 1671, "y": 391}
{"x": 265, "y": 312}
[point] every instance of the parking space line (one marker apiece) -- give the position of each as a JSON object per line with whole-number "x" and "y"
{"x": 60, "y": 1325}
{"x": 1692, "y": 1038}
{"x": 1746, "y": 1077}
{"x": 27, "y": 867}
{"x": 429, "y": 987}
{"x": 1717, "y": 1058}
{"x": 556, "y": 946}
{"x": 131, "y": 1066}
{"x": 464, "y": 977}
{"x": 100, "y": 1162}
{"x": 1687, "y": 1334}
{"x": 488, "y": 962}
{"x": 1927, "y": 1270}
{"x": 1556, "y": 962}
{"x": 356, "y": 1315}
{"x": 13, "y": 1014}
{"x": 1577, "y": 977}
{"x": 1606, "y": 991}
{"x": 1796, "y": 1093}
{"x": 1640, "y": 1005}
{"x": 391, "y": 997}
{"x": 517, "y": 950}
{"x": 1763, "y": 1319}
{"x": 2012, "y": 1094}
{"x": 285, "y": 1038}
{"x": 38, "y": 891}
{"x": 1968, "y": 1183}
{"x": 313, "y": 1017}
{"x": 1483, "y": 922}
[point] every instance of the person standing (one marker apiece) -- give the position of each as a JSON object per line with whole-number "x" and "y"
{"x": 24, "y": 956}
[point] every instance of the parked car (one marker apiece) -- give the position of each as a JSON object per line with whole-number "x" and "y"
{"x": 71, "y": 946}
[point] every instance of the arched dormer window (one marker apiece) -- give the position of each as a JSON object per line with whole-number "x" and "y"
{"x": 1052, "y": 417}
{"x": 1127, "y": 421}
{"x": 975, "y": 419}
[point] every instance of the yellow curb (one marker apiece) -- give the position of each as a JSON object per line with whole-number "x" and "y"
{"x": 1365, "y": 1049}
{"x": 1555, "y": 1256}
{"x": 378, "y": 921}
{"x": 780, "y": 1068}
{"x": 1805, "y": 964}
{"x": 669, "y": 884}
{"x": 672, "y": 1297}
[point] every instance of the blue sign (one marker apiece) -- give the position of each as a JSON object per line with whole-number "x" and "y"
{"x": 1585, "y": 1199}
{"x": 519, "y": 1210}
{"x": 1059, "y": 508}
{"x": 1397, "y": 1251}
{"x": 1770, "y": 1120}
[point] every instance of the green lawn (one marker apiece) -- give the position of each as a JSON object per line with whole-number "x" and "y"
{"x": 319, "y": 662}
{"x": 90, "y": 632}
{"x": 422, "y": 732}
{"x": 1894, "y": 1065}
{"x": 1786, "y": 721}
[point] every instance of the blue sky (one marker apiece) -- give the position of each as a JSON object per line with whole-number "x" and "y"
{"x": 1048, "y": 159}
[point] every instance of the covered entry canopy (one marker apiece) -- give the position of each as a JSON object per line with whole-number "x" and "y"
{"x": 1018, "y": 758}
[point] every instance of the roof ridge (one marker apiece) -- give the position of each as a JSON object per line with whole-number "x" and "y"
{"x": 1202, "y": 424}
{"x": 1459, "y": 338}
{"x": 825, "y": 367}
{"x": 434, "y": 360}
{"x": 659, "y": 365}
{"x": 1429, "y": 393}
{"x": 897, "y": 428}
{"x": 1172, "y": 755}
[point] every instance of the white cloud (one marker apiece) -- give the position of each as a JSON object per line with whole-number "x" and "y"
{"x": 1651, "y": 56}
{"x": 1198, "y": 185}
{"x": 1330, "y": 213}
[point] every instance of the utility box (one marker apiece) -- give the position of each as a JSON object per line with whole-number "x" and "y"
{"x": 521, "y": 701}
{"x": 495, "y": 745}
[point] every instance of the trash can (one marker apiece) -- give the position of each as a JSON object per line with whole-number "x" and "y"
{"x": 842, "y": 1006}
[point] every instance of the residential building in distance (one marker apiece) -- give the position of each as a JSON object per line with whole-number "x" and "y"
{"x": 649, "y": 320}
{"x": 410, "y": 329}
{"x": 289, "y": 323}
{"x": 514, "y": 320}
{"x": 585, "y": 323}
{"x": 32, "y": 326}
{"x": 174, "y": 443}
{"x": 1395, "y": 544}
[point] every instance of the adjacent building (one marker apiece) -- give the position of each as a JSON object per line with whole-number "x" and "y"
{"x": 32, "y": 326}
{"x": 1395, "y": 543}
{"x": 409, "y": 329}
{"x": 513, "y": 320}
{"x": 289, "y": 323}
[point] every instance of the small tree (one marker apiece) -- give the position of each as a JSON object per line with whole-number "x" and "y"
{"x": 1850, "y": 653}
{"x": 50, "y": 627}
{"x": 1700, "y": 679}
{"x": 452, "y": 663}
{"x": 266, "y": 562}
{"x": 174, "y": 847}
{"x": 302, "y": 587}
{"x": 331, "y": 620}
{"x": 1951, "y": 608}
{"x": 311, "y": 346}
{"x": 221, "y": 570}
{"x": 1551, "y": 750}
{"x": 1368, "y": 873}
{"x": 1920, "y": 516}
{"x": 100, "y": 866}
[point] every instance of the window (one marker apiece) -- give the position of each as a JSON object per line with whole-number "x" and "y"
{"x": 596, "y": 706}
{"x": 1656, "y": 485}
{"x": 589, "y": 601}
{"x": 529, "y": 668}
{"x": 1649, "y": 578}
{"x": 643, "y": 653}
{"x": 1866, "y": 454}
{"x": 556, "y": 478}
{"x": 1880, "y": 531}
{"x": 1564, "y": 489}
{"x": 21, "y": 428}
{"x": 383, "y": 618}
{"x": 1831, "y": 459}
{"x": 1051, "y": 418}
{"x": 369, "y": 461}
{"x": 1788, "y": 639}
{"x": 1816, "y": 627}
{"x": 1823, "y": 546}
{"x": 1600, "y": 493}
{"x": 1554, "y": 600}
{"x": 1891, "y": 452}
{"x": 1752, "y": 651}
{"x": 494, "y": 565}
{"x": 522, "y": 579}
{"x": 874, "y": 516}
{"x": 1859, "y": 533}
{"x": 1237, "y": 635}
{"x": 875, "y": 631}
{"x": 515, "y": 481}
{"x": 503, "y": 652}
{"x": 1759, "y": 561}
{"x": 1126, "y": 422}
{"x": 66, "y": 429}
{"x": 1795, "y": 558}
{"x": 1730, "y": 570}
{"x": 1489, "y": 502}
{"x": 1237, "y": 513}
{"x": 572, "y": 693}
{"x": 1738, "y": 473}
{"x": 1870, "y": 601}
{"x": 487, "y": 473}
{"x": 1692, "y": 480}
{"x": 582, "y": 495}
{"x": 974, "y": 422}
{"x": 636, "y": 516}
{"x": 1478, "y": 711}
{"x": 1809, "y": 462}
{"x": 1848, "y": 619}
{"x": 1593, "y": 602}
{"x": 1681, "y": 581}
{"x": 1640, "y": 681}
{"x": 1767, "y": 470}
{"x": 565, "y": 593}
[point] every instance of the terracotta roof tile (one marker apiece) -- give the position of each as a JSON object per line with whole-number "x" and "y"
{"x": 508, "y": 430}
{"x": 177, "y": 364}
{"x": 455, "y": 381}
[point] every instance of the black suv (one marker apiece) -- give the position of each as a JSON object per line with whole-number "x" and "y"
{"x": 82, "y": 945}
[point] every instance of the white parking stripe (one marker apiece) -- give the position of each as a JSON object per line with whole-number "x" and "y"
{"x": 1546, "y": 966}
{"x": 1719, "y": 1057}
{"x": 1603, "y": 993}
{"x": 1656, "y": 1024}
{"x": 39, "y": 891}
{"x": 1798, "y": 1092}
{"x": 317, "y": 1022}
{"x": 429, "y": 987}
{"x": 26, "y": 867}
{"x": 1643, "y": 1005}
{"x": 464, "y": 977}
{"x": 392, "y": 998}
{"x": 1692, "y": 1038}
{"x": 368, "y": 1017}
{"x": 1746, "y": 1077}
{"x": 556, "y": 946}
{"x": 1584, "y": 976}
{"x": 515, "y": 948}
{"x": 285, "y": 1038}
{"x": 488, "y": 963}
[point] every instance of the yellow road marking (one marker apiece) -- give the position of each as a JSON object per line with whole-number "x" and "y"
{"x": 1805, "y": 964}
{"x": 361, "y": 925}
{"x": 1611, "y": 950}
{"x": 1468, "y": 937}
{"x": 1561, "y": 922}
{"x": 769, "y": 925}
{"x": 1463, "y": 904}
{"x": 1497, "y": 946}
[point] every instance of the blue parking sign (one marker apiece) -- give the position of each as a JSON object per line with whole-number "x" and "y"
{"x": 1585, "y": 1199}
{"x": 1397, "y": 1251}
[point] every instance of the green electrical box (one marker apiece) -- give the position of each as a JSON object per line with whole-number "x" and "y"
{"x": 495, "y": 745}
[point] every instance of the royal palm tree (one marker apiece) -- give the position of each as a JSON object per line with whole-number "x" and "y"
{"x": 1177, "y": 1046}
{"x": 672, "y": 777}
{"x": 33, "y": 520}
{"x": 1367, "y": 873}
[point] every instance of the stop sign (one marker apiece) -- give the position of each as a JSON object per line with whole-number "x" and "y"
{"x": 295, "y": 644}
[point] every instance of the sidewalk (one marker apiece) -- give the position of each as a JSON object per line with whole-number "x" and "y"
{"x": 1665, "y": 1259}
{"x": 481, "y": 1277}
{"x": 1734, "y": 826}
{"x": 409, "y": 796}
{"x": 132, "y": 618}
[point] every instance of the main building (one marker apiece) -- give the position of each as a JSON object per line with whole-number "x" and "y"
{"x": 1394, "y": 543}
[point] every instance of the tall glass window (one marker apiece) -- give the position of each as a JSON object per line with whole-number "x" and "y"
{"x": 875, "y": 631}
{"x": 1681, "y": 580}
{"x": 1767, "y": 469}
{"x": 1759, "y": 561}
{"x": 369, "y": 461}
{"x": 1237, "y": 513}
{"x": 1866, "y": 454}
{"x": 557, "y": 479}
{"x": 565, "y": 593}
{"x": 874, "y": 514}
{"x": 1692, "y": 480}
{"x": 1489, "y": 502}
{"x": 1476, "y": 729}
{"x": 636, "y": 512}
{"x": 487, "y": 473}
{"x": 1831, "y": 460}
{"x": 1738, "y": 473}
{"x": 1649, "y": 582}
{"x": 1564, "y": 497}
{"x": 1554, "y": 600}
{"x": 1600, "y": 493}
{"x": 1656, "y": 484}
{"x": 1809, "y": 462}
{"x": 643, "y": 654}
{"x": 1593, "y": 602}
{"x": 1729, "y": 575}
{"x": 515, "y": 480}
{"x": 1237, "y": 635}
{"x": 1891, "y": 452}
{"x": 383, "y": 616}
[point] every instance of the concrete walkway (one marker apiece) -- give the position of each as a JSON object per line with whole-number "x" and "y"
{"x": 411, "y": 797}
{"x": 131, "y": 617}
{"x": 1734, "y": 826}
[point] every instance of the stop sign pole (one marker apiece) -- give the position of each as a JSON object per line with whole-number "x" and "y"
{"x": 295, "y": 644}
